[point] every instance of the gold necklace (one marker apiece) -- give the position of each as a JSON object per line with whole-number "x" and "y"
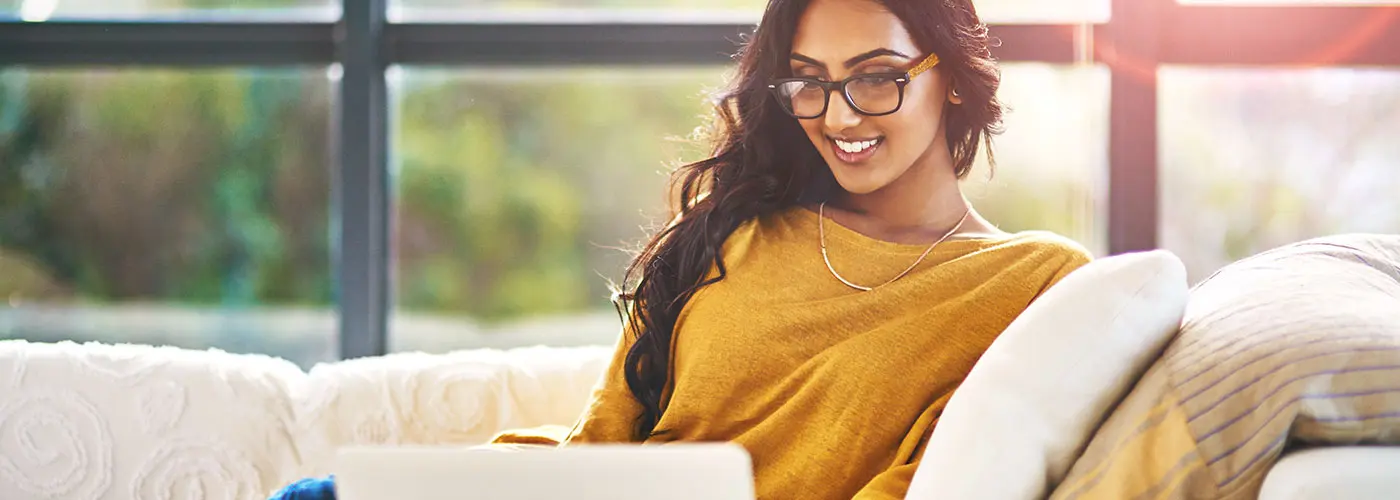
{"x": 821, "y": 231}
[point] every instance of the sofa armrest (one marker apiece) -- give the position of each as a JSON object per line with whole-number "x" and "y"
{"x": 127, "y": 422}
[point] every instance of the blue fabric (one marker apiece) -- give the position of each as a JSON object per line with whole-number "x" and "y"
{"x": 311, "y": 488}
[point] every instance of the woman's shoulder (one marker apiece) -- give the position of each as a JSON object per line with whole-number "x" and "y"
{"x": 1045, "y": 247}
{"x": 1047, "y": 241}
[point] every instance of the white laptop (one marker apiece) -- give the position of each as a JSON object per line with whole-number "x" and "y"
{"x": 600, "y": 472}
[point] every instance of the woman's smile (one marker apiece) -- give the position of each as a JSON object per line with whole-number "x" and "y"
{"x": 854, "y": 151}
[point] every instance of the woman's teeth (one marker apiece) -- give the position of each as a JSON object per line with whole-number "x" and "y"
{"x": 855, "y": 147}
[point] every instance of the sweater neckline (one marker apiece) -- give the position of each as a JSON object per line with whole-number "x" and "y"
{"x": 835, "y": 230}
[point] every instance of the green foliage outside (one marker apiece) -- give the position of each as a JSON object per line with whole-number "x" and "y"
{"x": 203, "y": 187}
{"x": 512, "y": 187}
{"x": 212, "y": 188}
{"x": 519, "y": 189}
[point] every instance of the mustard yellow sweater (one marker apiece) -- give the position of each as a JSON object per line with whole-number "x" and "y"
{"x": 833, "y": 391}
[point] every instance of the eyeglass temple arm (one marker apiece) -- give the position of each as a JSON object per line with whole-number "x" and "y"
{"x": 927, "y": 64}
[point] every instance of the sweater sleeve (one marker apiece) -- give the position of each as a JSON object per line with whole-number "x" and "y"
{"x": 889, "y": 485}
{"x": 612, "y": 410}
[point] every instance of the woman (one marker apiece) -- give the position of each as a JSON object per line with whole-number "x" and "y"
{"x": 826, "y": 285}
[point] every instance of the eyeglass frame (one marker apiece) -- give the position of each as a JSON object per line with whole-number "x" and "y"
{"x": 900, "y": 80}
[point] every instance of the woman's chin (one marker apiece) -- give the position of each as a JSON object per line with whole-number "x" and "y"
{"x": 859, "y": 183}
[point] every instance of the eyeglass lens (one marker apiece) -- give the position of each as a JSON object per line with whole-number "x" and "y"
{"x": 876, "y": 94}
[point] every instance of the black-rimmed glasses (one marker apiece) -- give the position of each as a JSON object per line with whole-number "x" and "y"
{"x": 870, "y": 94}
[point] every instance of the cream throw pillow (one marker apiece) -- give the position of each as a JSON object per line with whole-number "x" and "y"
{"x": 1023, "y": 415}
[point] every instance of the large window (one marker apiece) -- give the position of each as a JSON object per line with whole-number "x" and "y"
{"x": 317, "y": 179}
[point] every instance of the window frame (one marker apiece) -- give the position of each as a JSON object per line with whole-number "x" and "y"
{"x": 1139, "y": 37}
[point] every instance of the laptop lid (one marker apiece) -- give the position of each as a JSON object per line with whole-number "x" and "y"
{"x": 600, "y": 472}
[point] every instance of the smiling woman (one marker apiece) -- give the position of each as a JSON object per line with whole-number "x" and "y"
{"x": 723, "y": 302}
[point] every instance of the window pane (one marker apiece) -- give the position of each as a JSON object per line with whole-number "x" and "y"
{"x": 513, "y": 185}
{"x": 187, "y": 208}
{"x": 1052, "y": 162}
{"x": 992, "y": 11}
{"x": 42, "y": 10}
{"x": 1253, "y": 159}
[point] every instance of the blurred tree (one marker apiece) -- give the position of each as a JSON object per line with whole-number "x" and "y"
{"x": 157, "y": 185}
{"x": 508, "y": 186}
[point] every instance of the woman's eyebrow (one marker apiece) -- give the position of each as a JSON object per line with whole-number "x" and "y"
{"x": 854, "y": 60}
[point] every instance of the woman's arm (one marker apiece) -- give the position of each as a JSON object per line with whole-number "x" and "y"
{"x": 893, "y": 483}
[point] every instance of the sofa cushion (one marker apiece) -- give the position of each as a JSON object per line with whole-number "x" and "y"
{"x": 1297, "y": 344}
{"x": 1014, "y": 427}
{"x": 1348, "y": 472}
{"x": 139, "y": 422}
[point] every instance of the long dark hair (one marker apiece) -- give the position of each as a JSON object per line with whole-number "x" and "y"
{"x": 763, "y": 162}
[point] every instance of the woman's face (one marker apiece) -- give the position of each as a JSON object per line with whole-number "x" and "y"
{"x": 840, "y": 38}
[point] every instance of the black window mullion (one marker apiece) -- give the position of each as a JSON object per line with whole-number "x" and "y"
{"x": 166, "y": 43}
{"x": 361, "y": 183}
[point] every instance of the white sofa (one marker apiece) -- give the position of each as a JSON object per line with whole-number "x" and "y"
{"x": 135, "y": 422}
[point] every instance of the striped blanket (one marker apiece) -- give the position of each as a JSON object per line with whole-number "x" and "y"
{"x": 1299, "y": 345}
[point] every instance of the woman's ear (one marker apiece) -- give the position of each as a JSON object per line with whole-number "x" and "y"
{"x": 953, "y": 96}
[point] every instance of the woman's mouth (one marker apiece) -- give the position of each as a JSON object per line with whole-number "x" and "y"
{"x": 854, "y": 150}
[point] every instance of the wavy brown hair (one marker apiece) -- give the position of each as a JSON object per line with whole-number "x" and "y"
{"x": 762, "y": 162}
